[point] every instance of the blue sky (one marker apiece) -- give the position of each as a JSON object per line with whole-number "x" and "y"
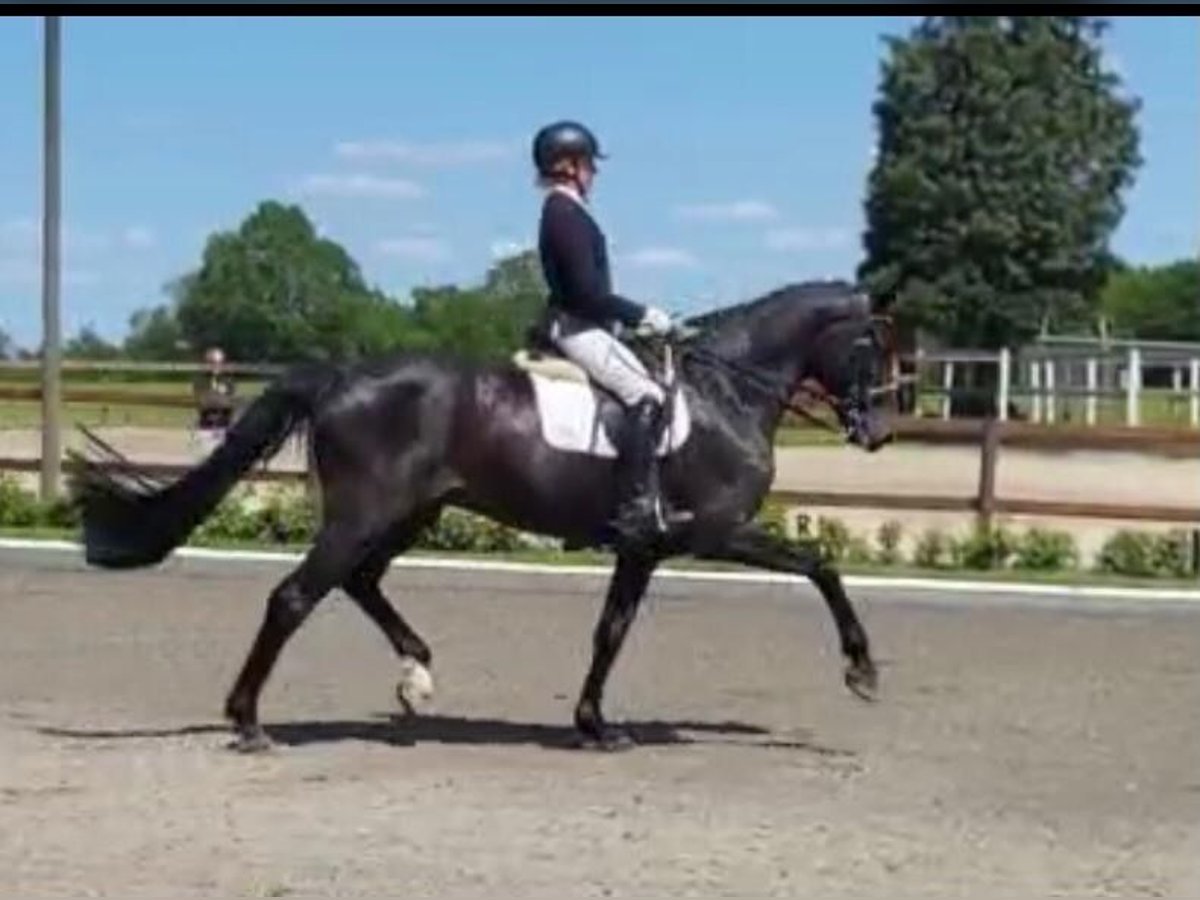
{"x": 739, "y": 145}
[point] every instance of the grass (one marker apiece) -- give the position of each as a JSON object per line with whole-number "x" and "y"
{"x": 1160, "y": 407}
{"x": 597, "y": 558}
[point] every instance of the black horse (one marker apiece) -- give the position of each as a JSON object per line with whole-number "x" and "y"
{"x": 397, "y": 439}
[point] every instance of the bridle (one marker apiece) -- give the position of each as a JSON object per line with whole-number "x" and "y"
{"x": 788, "y": 395}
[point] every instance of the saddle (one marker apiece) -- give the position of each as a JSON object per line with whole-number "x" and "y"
{"x": 577, "y": 414}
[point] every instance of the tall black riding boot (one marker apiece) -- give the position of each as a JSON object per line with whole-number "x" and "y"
{"x": 639, "y": 513}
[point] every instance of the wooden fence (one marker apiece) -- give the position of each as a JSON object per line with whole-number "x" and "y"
{"x": 989, "y": 435}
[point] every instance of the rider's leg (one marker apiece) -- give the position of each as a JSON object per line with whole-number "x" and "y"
{"x": 613, "y": 365}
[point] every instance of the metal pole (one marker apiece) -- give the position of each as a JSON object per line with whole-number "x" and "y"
{"x": 51, "y": 264}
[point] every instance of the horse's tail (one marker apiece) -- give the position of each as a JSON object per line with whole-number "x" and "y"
{"x": 130, "y": 521}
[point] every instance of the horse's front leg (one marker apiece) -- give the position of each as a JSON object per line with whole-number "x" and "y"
{"x": 752, "y": 546}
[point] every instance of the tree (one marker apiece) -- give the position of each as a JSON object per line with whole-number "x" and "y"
{"x": 275, "y": 291}
{"x": 1004, "y": 149}
{"x": 487, "y": 322}
{"x": 1155, "y": 303}
{"x": 89, "y": 345}
{"x": 155, "y": 336}
{"x": 7, "y": 347}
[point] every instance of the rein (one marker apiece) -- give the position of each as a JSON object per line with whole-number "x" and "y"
{"x": 783, "y": 394}
{"x": 786, "y": 394}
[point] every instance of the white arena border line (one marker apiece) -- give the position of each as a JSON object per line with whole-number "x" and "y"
{"x": 876, "y": 582}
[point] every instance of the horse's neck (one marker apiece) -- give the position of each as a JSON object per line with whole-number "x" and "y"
{"x": 736, "y": 399}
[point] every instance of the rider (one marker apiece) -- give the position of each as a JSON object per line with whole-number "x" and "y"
{"x": 585, "y": 316}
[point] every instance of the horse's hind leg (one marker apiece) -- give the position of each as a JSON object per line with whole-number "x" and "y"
{"x": 363, "y": 586}
{"x": 629, "y": 581}
{"x": 337, "y": 549}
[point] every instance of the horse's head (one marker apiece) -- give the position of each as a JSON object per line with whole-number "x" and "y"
{"x": 851, "y": 361}
{"x": 817, "y": 338}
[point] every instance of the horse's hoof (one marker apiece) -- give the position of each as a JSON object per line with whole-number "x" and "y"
{"x": 415, "y": 686}
{"x": 253, "y": 741}
{"x": 863, "y": 680}
{"x": 609, "y": 740}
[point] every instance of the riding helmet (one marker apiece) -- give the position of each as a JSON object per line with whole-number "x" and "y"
{"x": 563, "y": 140}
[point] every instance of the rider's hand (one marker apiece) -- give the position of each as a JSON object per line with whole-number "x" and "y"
{"x": 656, "y": 321}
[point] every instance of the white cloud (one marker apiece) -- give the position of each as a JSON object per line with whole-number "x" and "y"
{"x": 138, "y": 237}
{"x": 503, "y": 247}
{"x": 734, "y": 211}
{"x": 801, "y": 239}
{"x": 362, "y": 185}
{"x": 662, "y": 258}
{"x": 448, "y": 153}
{"x": 425, "y": 249}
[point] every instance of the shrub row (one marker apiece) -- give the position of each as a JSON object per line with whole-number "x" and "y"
{"x": 282, "y": 516}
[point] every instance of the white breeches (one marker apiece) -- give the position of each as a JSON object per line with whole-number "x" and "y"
{"x": 609, "y": 363}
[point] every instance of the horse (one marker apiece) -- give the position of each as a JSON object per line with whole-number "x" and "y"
{"x": 397, "y": 438}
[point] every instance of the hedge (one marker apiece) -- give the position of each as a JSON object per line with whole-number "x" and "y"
{"x": 286, "y": 516}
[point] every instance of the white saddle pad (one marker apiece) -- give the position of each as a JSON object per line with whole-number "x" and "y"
{"x": 567, "y": 411}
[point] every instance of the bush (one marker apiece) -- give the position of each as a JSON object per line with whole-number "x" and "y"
{"x": 18, "y": 508}
{"x": 287, "y": 519}
{"x": 1127, "y": 553}
{"x": 986, "y": 547}
{"x": 773, "y": 519}
{"x": 1045, "y": 550}
{"x": 1172, "y": 554}
{"x": 463, "y": 531}
{"x": 889, "y": 537}
{"x": 932, "y": 550}
{"x": 230, "y": 521}
{"x": 1146, "y": 554}
{"x": 834, "y": 538}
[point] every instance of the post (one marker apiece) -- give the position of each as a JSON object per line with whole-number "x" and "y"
{"x": 1035, "y": 389}
{"x": 51, "y": 265}
{"x": 1194, "y": 382}
{"x": 1050, "y": 405}
{"x": 1133, "y": 384}
{"x": 1002, "y": 388}
{"x": 985, "y": 502}
{"x": 1092, "y": 387}
{"x": 947, "y": 387}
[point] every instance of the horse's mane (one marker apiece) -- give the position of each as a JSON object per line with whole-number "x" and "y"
{"x": 798, "y": 292}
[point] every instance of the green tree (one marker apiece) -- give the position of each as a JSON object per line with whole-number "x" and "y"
{"x": 274, "y": 291}
{"x": 90, "y": 345}
{"x": 154, "y": 336}
{"x": 1004, "y": 148}
{"x": 1155, "y": 302}
{"x": 7, "y": 347}
{"x": 487, "y": 322}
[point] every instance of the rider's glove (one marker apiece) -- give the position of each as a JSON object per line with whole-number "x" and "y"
{"x": 656, "y": 321}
